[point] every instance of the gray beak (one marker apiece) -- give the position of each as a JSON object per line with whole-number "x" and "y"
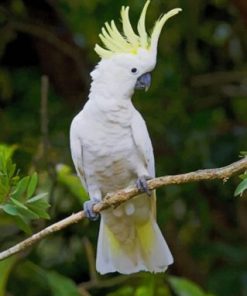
{"x": 143, "y": 82}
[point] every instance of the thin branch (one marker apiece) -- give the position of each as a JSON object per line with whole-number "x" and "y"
{"x": 42, "y": 32}
{"x": 105, "y": 283}
{"x": 91, "y": 259}
{"x": 43, "y": 113}
{"x": 75, "y": 53}
{"x": 47, "y": 34}
{"x": 116, "y": 198}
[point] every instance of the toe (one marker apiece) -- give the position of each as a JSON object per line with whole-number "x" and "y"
{"x": 142, "y": 185}
{"x": 88, "y": 209}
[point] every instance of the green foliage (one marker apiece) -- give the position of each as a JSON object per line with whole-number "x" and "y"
{"x": 48, "y": 281}
{"x": 17, "y": 197}
{"x": 123, "y": 291}
{"x": 149, "y": 284}
{"x": 185, "y": 287}
{"x": 178, "y": 286}
{"x": 5, "y": 269}
{"x": 71, "y": 182}
{"x": 61, "y": 285}
{"x": 242, "y": 186}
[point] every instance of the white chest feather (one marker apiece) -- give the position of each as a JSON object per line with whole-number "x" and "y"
{"x": 109, "y": 152}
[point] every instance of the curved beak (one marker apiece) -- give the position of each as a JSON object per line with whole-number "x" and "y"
{"x": 143, "y": 82}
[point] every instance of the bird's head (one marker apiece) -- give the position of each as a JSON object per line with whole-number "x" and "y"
{"x": 128, "y": 58}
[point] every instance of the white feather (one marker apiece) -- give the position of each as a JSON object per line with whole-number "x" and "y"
{"x": 111, "y": 148}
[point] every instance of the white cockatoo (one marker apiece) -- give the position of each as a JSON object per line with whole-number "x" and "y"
{"x": 111, "y": 149}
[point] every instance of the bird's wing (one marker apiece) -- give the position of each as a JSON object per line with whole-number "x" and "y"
{"x": 143, "y": 142}
{"x": 76, "y": 148}
{"x": 144, "y": 145}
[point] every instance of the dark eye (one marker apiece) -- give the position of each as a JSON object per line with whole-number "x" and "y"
{"x": 134, "y": 70}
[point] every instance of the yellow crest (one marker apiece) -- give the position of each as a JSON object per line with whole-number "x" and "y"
{"x": 129, "y": 42}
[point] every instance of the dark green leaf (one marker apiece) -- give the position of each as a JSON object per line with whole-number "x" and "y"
{"x": 22, "y": 223}
{"x": 10, "y": 209}
{"x": 12, "y": 170}
{"x": 18, "y": 204}
{"x": 32, "y": 185}
{"x": 5, "y": 269}
{"x": 243, "y": 176}
{"x": 242, "y": 186}
{"x": 61, "y": 285}
{"x": 37, "y": 197}
{"x": 71, "y": 182}
{"x": 7, "y": 151}
{"x": 184, "y": 287}
{"x": 21, "y": 188}
{"x": 39, "y": 207}
{"x": 24, "y": 210}
{"x": 3, "y": 191}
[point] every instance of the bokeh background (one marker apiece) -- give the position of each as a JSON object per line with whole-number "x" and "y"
{"x": 196, "y": 112}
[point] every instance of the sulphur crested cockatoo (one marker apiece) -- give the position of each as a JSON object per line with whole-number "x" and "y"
{"x": 111, "y": 148}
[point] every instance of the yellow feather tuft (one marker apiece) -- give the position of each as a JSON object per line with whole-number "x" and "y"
{"x": 132, "y": 38}
{"x": 159, "y": 25}
{"x": 129, "y": 41}
{"x": 141, "y": 27}
{"x": 117, "y": 37}
{"x": 103, "y": 53}
{"x": 112, "y": 43}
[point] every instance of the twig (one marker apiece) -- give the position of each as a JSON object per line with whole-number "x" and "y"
{"x": 43, "y": 112}
{"x": 91, "y": 259}
{"x": 83, "y": 292}
{"x": 105, "y": 283}
{"x": 42, "y": 32}
{"x": 75, "y": 53}
{"x": 116, "y": 198}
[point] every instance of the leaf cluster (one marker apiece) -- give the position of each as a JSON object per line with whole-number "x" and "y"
{"x": 17, "y": 193}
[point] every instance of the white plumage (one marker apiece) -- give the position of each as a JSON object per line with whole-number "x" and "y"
{"x": 111, "y": 149}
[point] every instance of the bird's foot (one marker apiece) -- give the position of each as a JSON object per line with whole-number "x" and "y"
{"x": 88, "y": 209}
{"x": 142, "y": 185}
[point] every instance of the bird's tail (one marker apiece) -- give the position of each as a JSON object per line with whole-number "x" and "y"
{"x": 127, "y": 245}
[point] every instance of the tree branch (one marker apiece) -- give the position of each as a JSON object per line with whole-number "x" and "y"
{"x": 116, "y": 198}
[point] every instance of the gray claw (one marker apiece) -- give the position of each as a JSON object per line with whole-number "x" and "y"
{"x": 142, "y": 185}
{"x": 88, "y": 209}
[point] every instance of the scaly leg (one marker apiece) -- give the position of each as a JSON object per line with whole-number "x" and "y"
{"x": 142, "y": 185}
{"x": 88, "y": 209}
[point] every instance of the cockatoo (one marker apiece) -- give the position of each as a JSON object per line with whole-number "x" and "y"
{"x": 111, "y": 149}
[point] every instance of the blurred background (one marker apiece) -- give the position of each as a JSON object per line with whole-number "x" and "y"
{"x": 196, "y": 112}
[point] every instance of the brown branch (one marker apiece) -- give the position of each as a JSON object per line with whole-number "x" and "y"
{"x": 116, "y": 198}
{"x": 75, "y": 53}
{"x": 42, "y": 32}
{"x": 43, "y": 112}
{"x": 91, "y": 259}
{"x": 105, "y": 283}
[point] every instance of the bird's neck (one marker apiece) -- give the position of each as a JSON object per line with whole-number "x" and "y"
{"x": 104, "y": 89}
{"x": 114, "y": 105}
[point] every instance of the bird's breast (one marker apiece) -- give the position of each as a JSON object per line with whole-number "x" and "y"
{"x": 111, "y": 158}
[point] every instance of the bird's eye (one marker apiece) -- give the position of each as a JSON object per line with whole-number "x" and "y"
{"x": 134, "y": 70}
